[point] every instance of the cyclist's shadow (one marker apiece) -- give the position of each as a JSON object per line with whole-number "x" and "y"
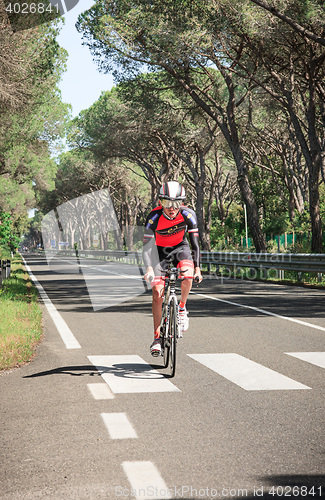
{"x": 125, "y": 370}
{"x": 131, "y": 370}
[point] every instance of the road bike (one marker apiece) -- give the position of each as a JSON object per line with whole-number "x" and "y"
{"x": 170, "y": 330}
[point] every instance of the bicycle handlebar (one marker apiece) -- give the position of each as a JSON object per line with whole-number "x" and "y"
{"x": 173, "y": 270}
{"x": 164, "y": 278}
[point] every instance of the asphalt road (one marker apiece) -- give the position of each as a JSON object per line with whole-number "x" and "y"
{"x": 97, "y": 419}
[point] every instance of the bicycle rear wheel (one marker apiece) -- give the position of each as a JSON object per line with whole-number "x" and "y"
{"x": 172, "y": 335}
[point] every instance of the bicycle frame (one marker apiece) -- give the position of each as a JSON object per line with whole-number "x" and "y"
{"x": 170, "y": 325}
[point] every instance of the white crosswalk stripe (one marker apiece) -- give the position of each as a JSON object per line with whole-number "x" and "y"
{"x": 131, "y": 374}
{"x": 315, "y": 358}
{"x": 247, "y": 374}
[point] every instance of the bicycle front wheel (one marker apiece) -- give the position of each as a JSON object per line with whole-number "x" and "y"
{"x": 172, "y": 335}
{"x": 165, "y": 344}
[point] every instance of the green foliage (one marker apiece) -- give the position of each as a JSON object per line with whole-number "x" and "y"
{"x": 9, "y": 239}
{"x": 20, "y": 318}
{"x": 33, "y": 117}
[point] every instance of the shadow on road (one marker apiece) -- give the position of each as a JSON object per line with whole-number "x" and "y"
{"x": 71, "y": 291}
{"x": 127, "y": 370}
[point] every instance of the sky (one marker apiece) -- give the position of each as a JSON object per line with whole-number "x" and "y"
{"x": 82, "y": 83}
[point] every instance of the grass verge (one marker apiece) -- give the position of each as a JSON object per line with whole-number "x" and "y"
{"x": 20, "y": 318}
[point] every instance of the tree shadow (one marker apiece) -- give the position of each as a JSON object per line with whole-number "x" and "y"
{"x": 282, "y": 300}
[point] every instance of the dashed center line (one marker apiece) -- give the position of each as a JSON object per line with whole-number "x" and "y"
{"x": 119, "y": 426}
{"x": 146, "y": 480}
{"x": 100, "y": 391}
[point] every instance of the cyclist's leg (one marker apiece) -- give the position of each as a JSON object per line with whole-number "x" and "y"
{"x": 157, "y": 286}
{"x": 157, "y": 300}
{"x": 187, "y": 269}
{"x": 186, "y": 265}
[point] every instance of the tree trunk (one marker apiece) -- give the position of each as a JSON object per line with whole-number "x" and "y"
{"x": 204, "y": 235}
{"x": 230, "y": 132}
{"x": 312, "y": 154}
{"x": 253, "y": 219}
{"x": 314, "y": 169}
{"x": 252, "y": 213}
{"x": 314, "y": 210}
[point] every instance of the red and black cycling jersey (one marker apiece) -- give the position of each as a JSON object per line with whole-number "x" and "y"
{"x": 164, "y": 232}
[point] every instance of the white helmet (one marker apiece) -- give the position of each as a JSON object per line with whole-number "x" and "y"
{"x": 172, "y": 191}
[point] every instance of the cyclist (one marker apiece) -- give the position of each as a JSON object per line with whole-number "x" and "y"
{"x": 164, "y": 240}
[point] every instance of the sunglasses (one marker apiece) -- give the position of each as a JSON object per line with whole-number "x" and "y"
{"x": 171, "y": 204}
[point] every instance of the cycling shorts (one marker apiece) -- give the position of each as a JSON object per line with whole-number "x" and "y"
{"x": 180, "y": 256}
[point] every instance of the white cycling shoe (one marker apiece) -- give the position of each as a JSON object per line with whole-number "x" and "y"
{"x": 183, "y": 319}
{"x": 155, "y": 348}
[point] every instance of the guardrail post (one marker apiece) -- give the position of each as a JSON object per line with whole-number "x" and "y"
{"x": 78, "y": 258}
{"x": 0, "y": 273}
{"x": 8, "y": 269}
{"x": 3, "y": 270}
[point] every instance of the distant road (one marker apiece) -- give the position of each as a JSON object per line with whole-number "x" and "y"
{"x": 94, "y": 417}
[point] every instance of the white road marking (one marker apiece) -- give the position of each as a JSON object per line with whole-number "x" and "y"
{"x": 145, "y": 480}
{"x": 247, "y": 374}
{"x": 263, "y": 311}
{"x": 315, "y": 358}
{"x": 100, "y": 391}
{"x": 119, "y": 426}
{"x": 66, "y": 334}
{"x": 131, "y": 374}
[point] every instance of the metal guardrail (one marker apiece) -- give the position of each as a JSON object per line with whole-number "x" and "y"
{"x": 5, "y": 270}
{"x": 313, "y": 263}
{"x": 310, "y": 263}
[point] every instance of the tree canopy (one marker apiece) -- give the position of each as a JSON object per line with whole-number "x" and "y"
{"x": 33, "y": 117}
{"x": 267, "y": 55}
